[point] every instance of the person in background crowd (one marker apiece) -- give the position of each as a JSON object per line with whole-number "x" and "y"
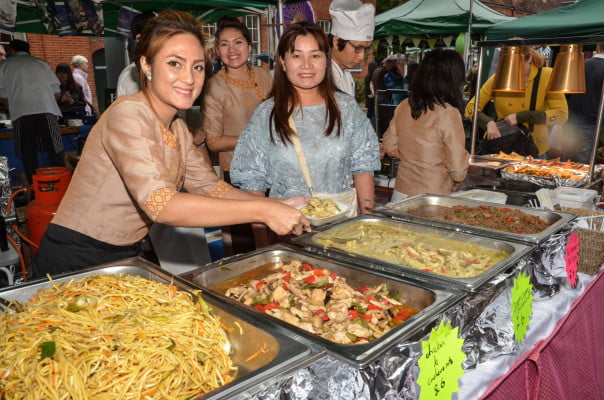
{"x": 550, "y": 108}
{"x": 72, "y": 95}
{"x": 140, "y": 154}
{"x": 128, "y": 82}
{"x": 32, "y": 90}
{"x": 307, "y": 127}
{"x": 469, "y": 86}
{"x": 230, "y": 99}
{"x": 80, "y": 74}
{"x": 411, "y": 70}
{"x": 369, "y": 95}
{"x": 426, "y": 132}
{"x": 378, "y": 81}
{"x": 352, "y": 26}
{"x": 3, "y": 103}
{"x": 583, "y": 107}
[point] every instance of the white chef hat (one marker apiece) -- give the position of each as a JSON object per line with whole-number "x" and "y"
{"x": 352, "y": 20}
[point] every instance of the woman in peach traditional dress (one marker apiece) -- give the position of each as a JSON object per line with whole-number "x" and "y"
{"x": 139, "y": 156}
{"x": 230, "y": 99}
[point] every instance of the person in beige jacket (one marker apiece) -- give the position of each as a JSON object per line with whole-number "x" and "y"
{"x": 426, "y": 132}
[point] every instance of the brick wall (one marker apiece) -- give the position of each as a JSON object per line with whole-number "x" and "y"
{"x": 59, "y": 49}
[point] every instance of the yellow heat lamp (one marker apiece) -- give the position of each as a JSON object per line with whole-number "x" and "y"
{"x": 510, "y": 71}
{"x": 569, "y": 70}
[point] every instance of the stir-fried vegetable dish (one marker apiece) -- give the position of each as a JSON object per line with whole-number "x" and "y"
{"x": 500, "y": 219}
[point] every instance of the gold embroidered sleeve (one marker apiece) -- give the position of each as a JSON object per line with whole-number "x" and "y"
{"x": 213, "y": 139}
{"x": 157, "y": 201}
{"x": 220, "y": 189}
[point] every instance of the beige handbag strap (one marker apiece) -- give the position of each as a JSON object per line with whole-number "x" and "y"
{"x": 301, "y": 158}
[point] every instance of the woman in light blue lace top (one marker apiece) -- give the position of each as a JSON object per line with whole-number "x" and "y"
{"x": 339, "y": 144}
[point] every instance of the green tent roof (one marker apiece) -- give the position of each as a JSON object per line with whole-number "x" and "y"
{"x": 436, "y": 17}
{"x": 29, "y": 17}
{"x": 585, "y": 17}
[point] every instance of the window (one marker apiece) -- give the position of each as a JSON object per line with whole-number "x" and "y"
{"x": 253, "y": 25}
{"x": 208, "y": 30}
{"x": 325, "y": 24}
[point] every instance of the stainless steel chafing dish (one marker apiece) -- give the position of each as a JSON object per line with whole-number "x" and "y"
{"x": 514, "y": 250}
{"x": 556, "y": 220}
{"x": 430, "y": 299}
{"x": 488, "y": 162}
{"x": 286, "y": 352}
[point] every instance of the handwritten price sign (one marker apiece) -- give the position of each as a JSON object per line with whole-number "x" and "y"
{"x": 572, "y": 257}
{"x": 440, "y": 364}
{"x": 522, "y": 305}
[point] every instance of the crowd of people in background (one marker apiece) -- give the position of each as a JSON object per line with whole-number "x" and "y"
{"x": 277, "y": 139}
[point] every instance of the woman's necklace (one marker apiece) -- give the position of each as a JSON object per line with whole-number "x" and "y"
{"x": 249, "y": 84}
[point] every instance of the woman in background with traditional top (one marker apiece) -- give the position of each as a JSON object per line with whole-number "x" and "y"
{"x": 337, "y": 142}
{"x": 426, "y": 132}
{"x": 231, "y": 96}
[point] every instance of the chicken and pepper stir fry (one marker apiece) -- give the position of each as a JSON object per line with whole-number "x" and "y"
{"x": 322, "y": 303}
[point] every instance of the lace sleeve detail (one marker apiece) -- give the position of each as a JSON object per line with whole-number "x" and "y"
{"x": 220, "y": 189}
{"x": 157, "y": 200}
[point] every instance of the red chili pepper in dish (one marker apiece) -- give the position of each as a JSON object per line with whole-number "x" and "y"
{"x": 352, "y": 314}
{"x": 374, "y": 307}
{"x": 310, "y": 279}
{"x": 258, "y": 285}
{"x": 271, "y": 306}
{"x": 318, "y": 312}
{"x": 307, "y": 267}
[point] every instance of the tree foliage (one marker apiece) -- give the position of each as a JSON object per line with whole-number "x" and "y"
{"x": 385, "y": 5}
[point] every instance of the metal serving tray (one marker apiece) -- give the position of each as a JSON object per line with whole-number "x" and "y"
{"x": 488, "y": 162}
{"x": 515, "y": 250}
{"x": 432, "y": 300}
{"x": 286, "y": 353}
{"x": 400, "y": 210}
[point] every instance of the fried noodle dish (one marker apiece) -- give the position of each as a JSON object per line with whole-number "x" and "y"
{"x": 112, "y": 337}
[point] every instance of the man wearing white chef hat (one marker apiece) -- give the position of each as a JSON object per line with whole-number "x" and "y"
{"x": 352, "y": 26}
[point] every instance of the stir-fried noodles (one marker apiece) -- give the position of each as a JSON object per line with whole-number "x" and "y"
{"x": 112, "y": 337}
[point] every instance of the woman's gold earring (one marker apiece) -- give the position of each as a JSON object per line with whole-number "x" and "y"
{"x": 284, "y": 69}
{"x": 148, "y": 76}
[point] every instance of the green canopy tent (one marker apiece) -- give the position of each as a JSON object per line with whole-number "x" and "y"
{"x": 35, "y": 16}
{"x": 584, "y": 17}
{"x": 433, "y": 18}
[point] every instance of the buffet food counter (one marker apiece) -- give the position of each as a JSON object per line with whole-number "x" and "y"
{"x": 344, "y": 311}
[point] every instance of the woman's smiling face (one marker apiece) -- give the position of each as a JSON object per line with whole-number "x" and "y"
{"x": 177, "y": 74}
{"x": 306, "y": 65}
{"x": 233, "y": 48}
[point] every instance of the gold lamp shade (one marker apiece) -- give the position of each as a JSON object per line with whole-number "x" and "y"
{"x": 510, "y": 71}
{"x": 569, "y": 70}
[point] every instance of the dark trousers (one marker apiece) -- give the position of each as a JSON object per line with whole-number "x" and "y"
{"x": 241, "y": 235}
{"x": 38, "y": 132}
{"x": 64, "y": 250}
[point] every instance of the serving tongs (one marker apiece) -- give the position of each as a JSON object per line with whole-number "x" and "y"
{"x": 13, "y": 305}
